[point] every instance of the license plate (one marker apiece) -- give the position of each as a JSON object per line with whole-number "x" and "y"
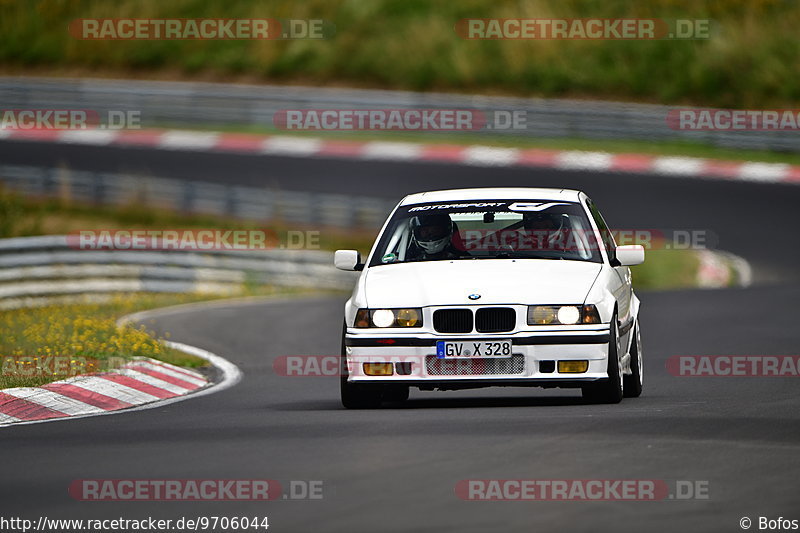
{"x": 470, "y": 349}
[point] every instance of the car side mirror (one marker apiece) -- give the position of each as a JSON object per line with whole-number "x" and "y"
{"x": 347, "y": 260}
{"x": 630, "y": 254}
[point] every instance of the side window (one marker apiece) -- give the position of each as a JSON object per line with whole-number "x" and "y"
{"x": 605, "y": 232}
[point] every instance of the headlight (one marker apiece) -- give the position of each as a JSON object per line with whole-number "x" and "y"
{"x": 548, "y": 315}
{"x": 382, "y": 318}
{"x": 569, "y": 314}
{"x": 386, "y": 318}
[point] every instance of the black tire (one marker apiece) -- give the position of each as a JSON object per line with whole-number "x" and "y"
{"x": 356, "y": 395}
{"x": 395, "y": 393}
{"x": 609, "y": 390}
{"x": 633, "y": 382}
{"x": 360, "y": 395}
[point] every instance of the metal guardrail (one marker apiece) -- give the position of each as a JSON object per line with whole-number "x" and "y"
{"x": 33, "y": 269}
{"x": 209, "y": 104}
{"x": 302, "y": 208}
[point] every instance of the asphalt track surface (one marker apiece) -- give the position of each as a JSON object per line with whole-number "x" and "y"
{"x": 396, "y": 469}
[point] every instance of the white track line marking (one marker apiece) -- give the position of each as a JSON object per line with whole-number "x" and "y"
{"x": 188, "y": 140}
{"x": 401, "y": 151}
{"x": 765, "y": 172}
{"x": 489, "y": 156}
{"x": 682, "y": 166}
{"x": 231, "y": 375}
{"x": 391, "y": 151}
{"x": 584, "y": 160}
{"x": 95, "y": 137}
{"x": 291, "y": 146}
{"x": 54, "y": 401}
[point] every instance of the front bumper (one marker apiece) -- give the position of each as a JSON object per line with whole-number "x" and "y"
{"x": 534, "y": 360}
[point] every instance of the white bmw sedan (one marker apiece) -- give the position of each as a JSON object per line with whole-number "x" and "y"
{"x": 492, "y": 287}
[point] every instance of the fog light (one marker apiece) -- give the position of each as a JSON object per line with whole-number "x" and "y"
{"x": 378, "y": 369}
{"x": 541, "y": 314}
{"x": 573, "y": 367}
{"x": 407, "y": 318}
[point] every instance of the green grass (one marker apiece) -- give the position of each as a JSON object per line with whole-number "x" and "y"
{"x": 666, "y": 269}
{"x": 88, "y": 332}
{"x": 749, "y": 62}
{"x": 83, "y": 334}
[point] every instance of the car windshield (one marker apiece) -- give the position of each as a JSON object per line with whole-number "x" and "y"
{"x": 487, "y": 229}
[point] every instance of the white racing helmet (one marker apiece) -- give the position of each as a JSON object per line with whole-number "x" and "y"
{"x": 433, "y": 232}
{"x": 553, "y": 225}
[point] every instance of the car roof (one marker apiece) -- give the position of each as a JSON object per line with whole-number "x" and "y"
{"x": 493, "y": 193}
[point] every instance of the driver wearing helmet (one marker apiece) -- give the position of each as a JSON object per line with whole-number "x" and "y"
{"x": 432, "y": 238}
{"x": 546, "y": 231}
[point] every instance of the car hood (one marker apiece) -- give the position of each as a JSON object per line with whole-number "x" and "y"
{"x": 497, "y": 281}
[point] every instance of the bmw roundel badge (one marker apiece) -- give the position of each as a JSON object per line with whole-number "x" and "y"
{"x": 474, "y": 296}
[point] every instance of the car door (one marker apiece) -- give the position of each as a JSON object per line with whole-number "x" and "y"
{"x": 621, "y": 284}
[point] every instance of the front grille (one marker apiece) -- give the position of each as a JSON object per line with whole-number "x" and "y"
{"x": 495, "y": 319}
{"x": 452, "y": 320}
{"x": 475, "y": 367}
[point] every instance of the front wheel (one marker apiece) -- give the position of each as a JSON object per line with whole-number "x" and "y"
{"x": 359, "y": 395}
{"x": 394, "y": 393}
{"x": 609, "y": 390}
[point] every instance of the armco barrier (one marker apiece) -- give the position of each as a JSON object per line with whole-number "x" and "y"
{"x": 303, "y": 208}
{"x": 212, "y": 104}
{"x": 37, "y": 268}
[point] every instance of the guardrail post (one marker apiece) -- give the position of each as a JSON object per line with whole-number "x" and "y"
{"x": 64, "y": 184}
{"x": 189, "y": 192}
{"x": 230, "y": 201}
{"x": 98, "y": 188}
{"x": 49, "y": 181}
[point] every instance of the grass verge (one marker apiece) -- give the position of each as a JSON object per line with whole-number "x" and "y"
{"x": 749, "y": 59}
{"x": 44, "y": 344}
